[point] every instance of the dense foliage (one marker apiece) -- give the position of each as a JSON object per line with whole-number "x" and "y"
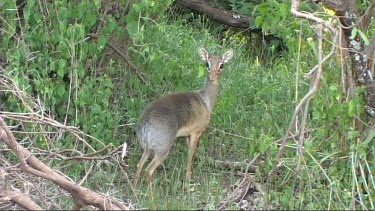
{"x": 81, "y": 82}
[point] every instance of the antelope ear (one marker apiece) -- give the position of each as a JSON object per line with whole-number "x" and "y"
{"x": 204, "y": 54}
{"x": 227, "y": 56}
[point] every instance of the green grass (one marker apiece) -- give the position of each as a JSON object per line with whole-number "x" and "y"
{"x": 253, "y": 111}
{"x": 256, "y": 102}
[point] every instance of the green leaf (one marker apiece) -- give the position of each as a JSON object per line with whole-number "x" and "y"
{"x": 111, "y": 25}
{"x": 351, "y": 110}
{"x": 102, "y": 42}
{"x": 62, "y": 68}
{"x": 263, "y": 8}
{"x": 201, "y": 71}
{"x": 61, "y": 91}
{"x": 80, "y": 71}
{"x": 354, "y": 33}
{"x": 133, "y": 28}
{"x": 364, "y": 37}
{"x": 61, "y": 72}
{"x": 97, "y": 4}
{"x": 108, "y": 82}
{"x": 369, "y": 138}
{"x": 96, "y": 109}
{"x": 284, "y": 10}
{"x": 62, "y": 63}
{"x": 259, "y": 21}
{"x": 28, "y": 9}
{"x": 52, "y": 65}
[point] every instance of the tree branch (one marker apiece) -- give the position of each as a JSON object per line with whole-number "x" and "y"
{"x": 222, "y": 16}
{"x": 32, "y": 165}
{"x": 366, "y": 19}
{"x": 340, "y": 7}
{"x": 16, "y": 197}
{"x": 135, "y": 69}
{"x": 370, "y": 49}
{"x": 316, "y": 73}
{"x": 20, "y": 199}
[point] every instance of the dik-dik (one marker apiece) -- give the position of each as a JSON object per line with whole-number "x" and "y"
{"x": 184, "y": 114}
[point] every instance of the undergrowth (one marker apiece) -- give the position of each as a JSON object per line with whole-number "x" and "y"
{"x": 252, "y": 114}
{"x": 104, "y": 97}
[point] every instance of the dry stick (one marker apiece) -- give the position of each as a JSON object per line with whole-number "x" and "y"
{"x": 121, "y": 166}
{"x": 367, "y": 17}
{"x": 241, "y": 183}
{"x": 82, "y": 196}
{"x": 36, "y": 118}
{"x": 247, "y": 170}
{"x": 87, "y": 174}
{"x": 232, "y": 165}
{"x": 231, "y": 134}
{"x": 87, "y": 156}
{"x": 70, "y": 98}
{"x": 246, "y": 191}
{"x": 136, "y": 70}
{"x": 16, "y": 197}
{"x": 300, "y": 142}
{"x": 44, "y": 120}
{"x": 298, "y": 109}
{"x": 12, "y": 87}
{"x": 20, "y": 199}
{"x": 91, "y": 155}
{"x": 317, "y": 70}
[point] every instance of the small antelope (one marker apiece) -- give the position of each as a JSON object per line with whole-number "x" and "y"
{"x": 184, "y": 114}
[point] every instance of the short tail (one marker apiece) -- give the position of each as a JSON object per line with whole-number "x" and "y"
{"x": 124, "y": 150}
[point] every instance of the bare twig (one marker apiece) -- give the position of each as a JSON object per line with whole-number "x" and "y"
{"x": 316, "y": 72}
{"x": 30, "y": 164}
{"x": 136, "y": 70}
{"x": 239, "y": 187}
{"x": 367, "y": 17}
{"x": 45, "y": 120}
{"x": 91, "y": 156}
{"x": 240, "y": 166}
{"x": 87, "y": 174}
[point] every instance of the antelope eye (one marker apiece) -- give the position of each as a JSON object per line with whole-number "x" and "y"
{"x": 208, "y": 64}
{"x": 221, "y": 66}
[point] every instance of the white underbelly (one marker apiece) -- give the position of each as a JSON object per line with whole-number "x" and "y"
{"x": 198, "y": 127}
{"x": 184, "y": 131}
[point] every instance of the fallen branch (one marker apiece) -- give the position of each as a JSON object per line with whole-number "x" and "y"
{"x": 222, "y": 16}
{"x": 241, "y": 189}
{"x": 20, "y": 199}
{"x": 30, "y": 164}
{"x": 16, "y": 197}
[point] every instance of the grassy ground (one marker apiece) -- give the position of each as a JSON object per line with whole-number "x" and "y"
{"x": 259, "y": 91}
{"x": 253, "y": 110}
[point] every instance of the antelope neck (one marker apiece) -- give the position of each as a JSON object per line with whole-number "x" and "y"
{"x": 209, "y": 93}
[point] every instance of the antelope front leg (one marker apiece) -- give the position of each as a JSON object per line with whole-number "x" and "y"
{"x": 187, "y": 140}
{"x": 193, "y": 143}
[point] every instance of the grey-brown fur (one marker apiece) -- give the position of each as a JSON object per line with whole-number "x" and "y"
{"x": 177, "y": 115}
